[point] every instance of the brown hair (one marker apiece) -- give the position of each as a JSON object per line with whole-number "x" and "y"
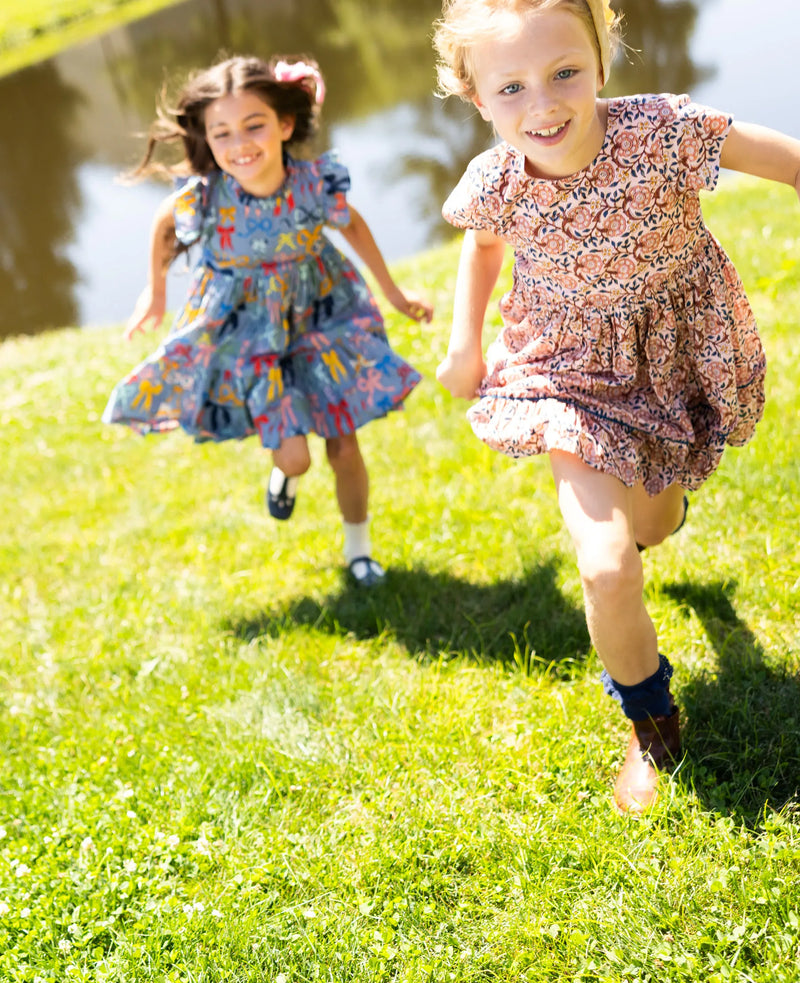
{"x": 184, "y": 123}
{"x": 465, "y": 23}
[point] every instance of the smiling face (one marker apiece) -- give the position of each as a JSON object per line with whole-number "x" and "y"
{"x": 245, "y": 136}
{"x": 537, "y": 82}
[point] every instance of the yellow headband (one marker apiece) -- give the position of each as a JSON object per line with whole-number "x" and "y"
{"x": 603, "y": 17}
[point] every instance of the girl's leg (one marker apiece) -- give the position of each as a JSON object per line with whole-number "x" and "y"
{"x": 656, "y": 517}
{"x": 290, "y": 460}
{"x": 292, "y": 457}
{"x": 352, "y": 481}
{"x": 352, "y": 494}
{"x": 600, "y": 513}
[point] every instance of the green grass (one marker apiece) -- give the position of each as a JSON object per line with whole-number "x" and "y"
{"x": 32, "y": 30}
{"x": 221, "y": 763}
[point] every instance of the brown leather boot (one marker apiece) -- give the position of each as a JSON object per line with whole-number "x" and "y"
{"x": 655, "y": 746}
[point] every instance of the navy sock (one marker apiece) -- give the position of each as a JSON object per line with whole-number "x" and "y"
{"x": 649, "y": 698}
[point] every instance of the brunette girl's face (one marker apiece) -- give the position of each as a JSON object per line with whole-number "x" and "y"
{"x": 245, "y": 136}
{"x": 537, "y": 82}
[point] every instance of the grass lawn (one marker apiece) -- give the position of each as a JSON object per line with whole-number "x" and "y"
{"x": 221, "y": 763}
{"x": 32, "y": 30}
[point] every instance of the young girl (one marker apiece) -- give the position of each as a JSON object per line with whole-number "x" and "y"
{"x": 279, "y": 335}
{"x": 628, "y": 353}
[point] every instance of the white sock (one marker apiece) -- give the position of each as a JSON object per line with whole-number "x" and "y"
{"x": 276, "y": 480}
{"x": 356, "y": 540}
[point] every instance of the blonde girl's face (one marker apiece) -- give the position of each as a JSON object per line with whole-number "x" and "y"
{"x": 538, "y": 84}
{"x": 245, "y": 136}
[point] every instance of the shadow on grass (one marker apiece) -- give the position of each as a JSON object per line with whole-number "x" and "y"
{"x": 744, "y": 718}
{"x": 526, "y": 622}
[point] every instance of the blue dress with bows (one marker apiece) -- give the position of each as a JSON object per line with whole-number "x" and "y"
{"x": 279, "y": 335}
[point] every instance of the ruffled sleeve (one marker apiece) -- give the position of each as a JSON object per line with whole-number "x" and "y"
{"x": 694, "y": 143}
{"x": 191, "y": 204}
{"x": 485, "y": 196}
{"x": 335, "y": 183}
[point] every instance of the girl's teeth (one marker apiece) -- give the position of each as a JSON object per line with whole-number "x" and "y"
{"x": 547, "y": 133}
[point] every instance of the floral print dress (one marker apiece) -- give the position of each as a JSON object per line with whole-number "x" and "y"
{"x": 627, "y": 338}
{"x": 280, "y": 334}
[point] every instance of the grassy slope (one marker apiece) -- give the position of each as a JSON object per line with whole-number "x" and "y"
{"x": 220, "y": 763}
{"x": 32, "y": 30}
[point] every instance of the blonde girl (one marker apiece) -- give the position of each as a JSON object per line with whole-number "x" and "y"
{"x": 628, "y": 353}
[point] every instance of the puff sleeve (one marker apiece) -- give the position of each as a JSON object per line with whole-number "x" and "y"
{"x": 191, "y": 203}
{"x": 335, "y": 183}
{"x": 485, "y": 196}
{"x": 694, "y": 141}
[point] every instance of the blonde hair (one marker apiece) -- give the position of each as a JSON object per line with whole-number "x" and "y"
{"x": 465, "y": 23}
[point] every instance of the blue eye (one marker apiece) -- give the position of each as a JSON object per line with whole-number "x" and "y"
{"x": 511, "y": 89}
{"x": 565, "y": 73}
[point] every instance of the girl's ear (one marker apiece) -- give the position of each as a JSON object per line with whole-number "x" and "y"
{"x": 482, "y": 109}
{"x": 286, "y": 127}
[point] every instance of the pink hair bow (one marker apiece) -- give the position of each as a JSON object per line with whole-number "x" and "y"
{"x": 298, "y": 71}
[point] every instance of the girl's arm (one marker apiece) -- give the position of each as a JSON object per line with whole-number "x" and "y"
{"x": 152, "y": 301}
{"x": 360, "y": 239}
{"x": 464, "y": 367}
{"x": 762, "y": 152}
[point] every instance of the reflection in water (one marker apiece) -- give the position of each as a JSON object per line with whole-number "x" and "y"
{"x": 657, "y": 37}
{"x": 404, "y": 147}
{"x": 39, "y": 202}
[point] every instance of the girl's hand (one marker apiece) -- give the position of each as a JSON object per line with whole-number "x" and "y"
{"x": 461, "y": 373}
{"x": 150, "y": 307}
{"x": 417, "y": 308}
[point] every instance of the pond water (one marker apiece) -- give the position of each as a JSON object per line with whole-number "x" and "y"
{"x": 73, "y": 249}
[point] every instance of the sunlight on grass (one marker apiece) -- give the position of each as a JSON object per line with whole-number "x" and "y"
{"x": 222, "y": 763}
{"x": 33, "y": 30}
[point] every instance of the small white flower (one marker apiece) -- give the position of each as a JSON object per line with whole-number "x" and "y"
{"x": 25, "y": 913}
{"x": 202, "y": 845}
{"x": 173, "y": 841}
{"x": 281, "y": 978}
{"x": 3, "y": 833}
{"x": 130, "y": 814}
{"x": 64, "y": 945}
{"x": 130, "y": 866}
{"x": 188, "y": 910}
{"x": 216, "y": 913}
{"x": 21, "y": 870}
{"x": 87, "y": 844}
{"x": 73, "y": 929}
{"x": 4, "y": 908}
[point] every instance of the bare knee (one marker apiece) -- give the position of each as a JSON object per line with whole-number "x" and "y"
{"x": 659, "y": 518}
{"x": 293, "y": 457}
{"x": 343, "y": 452}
